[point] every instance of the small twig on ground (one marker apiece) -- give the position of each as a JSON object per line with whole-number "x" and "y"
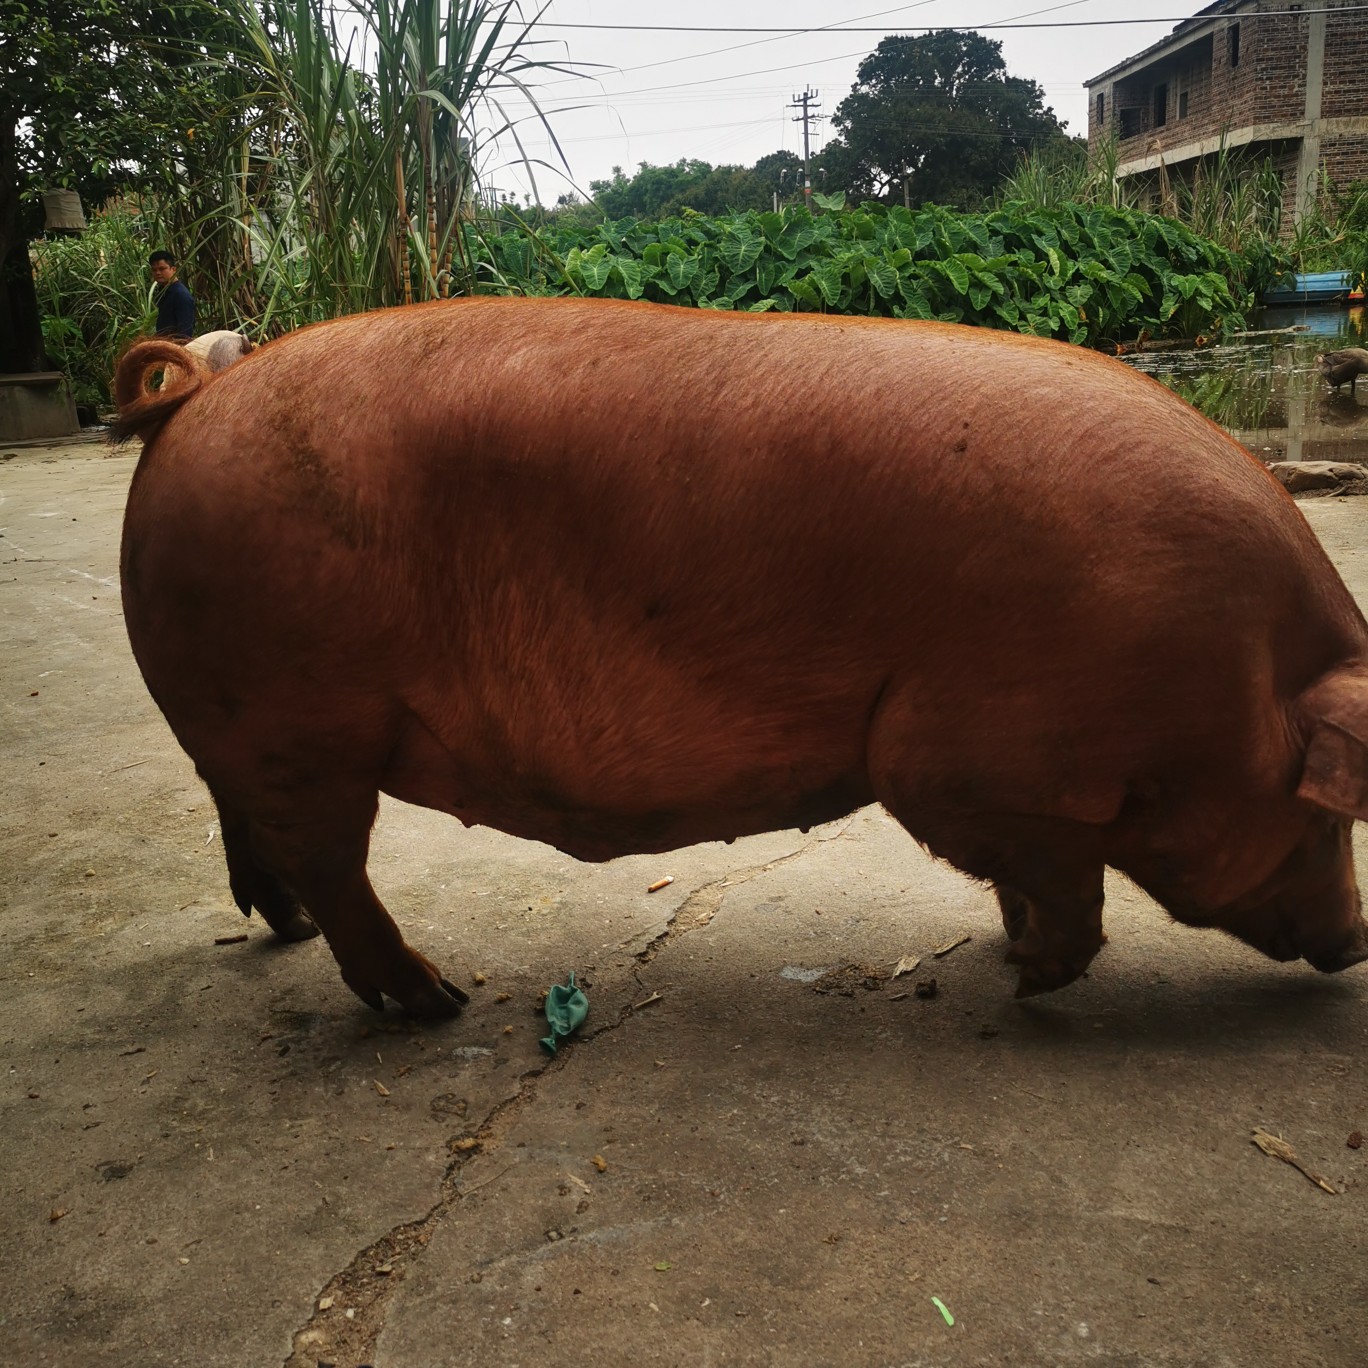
{"x": 1280, "y": 1149}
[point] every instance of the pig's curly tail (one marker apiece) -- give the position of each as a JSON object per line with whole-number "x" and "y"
{"x": 142, "y": 409}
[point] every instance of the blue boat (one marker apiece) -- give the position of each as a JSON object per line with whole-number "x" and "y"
{"x": 1316, "y": 287}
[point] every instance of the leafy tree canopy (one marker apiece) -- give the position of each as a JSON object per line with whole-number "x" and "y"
{"x": 940, "y": 112}
{"x": 658, "y": 191}
{"x": 95, "y": 96}
{"x": 88, "y": 91}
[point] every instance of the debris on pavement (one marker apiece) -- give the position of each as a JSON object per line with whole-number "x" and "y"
{"x": 646, "y": 1002}
{"x": 846, "y": 978}
{"x": 940, "y": 1305}
{"x": 952, "y": 945}
{"x": 660, "y": 883}
{"x": 926, "y": 988}
{"x": 1355, "y": 1139}
{"x": 231, "y": 940}
{"x": 600, "y": 1163}
{"x": 905, "y": 966}
{"x": 566, "y": 1008}
{"x": 1276, "y": 1146}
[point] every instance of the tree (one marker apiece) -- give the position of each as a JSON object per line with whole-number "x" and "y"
{"x": 939, "y": 112}
{"x": 649, "y": 193}
{"x": 81, "y": 103}
{"x": 660, "y": 191}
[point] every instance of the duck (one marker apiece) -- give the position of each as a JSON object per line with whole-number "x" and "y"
{"x": 1341, "y": 366}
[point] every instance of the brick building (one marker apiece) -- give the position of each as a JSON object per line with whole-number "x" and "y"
{"x": 1286, "y": 82}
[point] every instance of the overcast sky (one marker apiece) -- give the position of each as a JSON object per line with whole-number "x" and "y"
{"x": 722, "y": 96}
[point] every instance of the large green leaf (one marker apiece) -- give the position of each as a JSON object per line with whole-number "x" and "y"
{"x": 957, "y": 273}
{"x": 740, "y": 249}
{"x": 883, "y": 276}
{"x": 681, "y": 270}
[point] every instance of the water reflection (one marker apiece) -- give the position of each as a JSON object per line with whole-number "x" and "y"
{"x": 1266, "y": 390}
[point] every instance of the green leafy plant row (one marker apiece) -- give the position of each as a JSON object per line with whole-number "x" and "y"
{"x": 1083, "y": 273}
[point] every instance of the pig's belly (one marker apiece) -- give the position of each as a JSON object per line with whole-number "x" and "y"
{"x": 621, "y": 810}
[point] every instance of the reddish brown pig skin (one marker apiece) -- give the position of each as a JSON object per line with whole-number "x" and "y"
{"x": 621, "y": 577}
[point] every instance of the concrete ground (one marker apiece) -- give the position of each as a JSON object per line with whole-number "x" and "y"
{"x": 761, "y": 1149}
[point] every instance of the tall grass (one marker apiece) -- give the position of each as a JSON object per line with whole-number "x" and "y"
{"x": 330, "y": 162}
{"x": 1063, "y": 173}
{"x": 1230, "y": 198}
{"x": 96, "y": 297}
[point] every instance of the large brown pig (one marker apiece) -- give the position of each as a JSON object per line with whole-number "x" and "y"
{"x": 620, "y": 578}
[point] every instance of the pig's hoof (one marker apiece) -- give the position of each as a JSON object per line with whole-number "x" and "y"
{"x": 412, "y": 980}
{"x": 1044, "y": 972}
{"x": 433, "y": 1002}
{"x": 436, "y": 1002}
{"x": 298, "y": 926}
{"x": 1035, "y": 979}
{"x": 455, "y": 992}
{"x": 368, "y": 993}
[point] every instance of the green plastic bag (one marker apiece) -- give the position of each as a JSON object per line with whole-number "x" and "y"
{"x": 566, "y": 1008}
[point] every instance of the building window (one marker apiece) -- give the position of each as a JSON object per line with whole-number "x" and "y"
{"x": 1233, "y": 40}
{"x": 1182, "y": 104}
{"x": 1160, "y": 105}
{"x": 1130, "y": 121}
{"x": 1101, "y": 111}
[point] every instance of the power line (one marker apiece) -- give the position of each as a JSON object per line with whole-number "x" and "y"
{"x": 939, "y": 28}
{"x": 780, "y": 35}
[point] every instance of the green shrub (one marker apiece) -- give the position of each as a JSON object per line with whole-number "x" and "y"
{"x": 95, "y": 295}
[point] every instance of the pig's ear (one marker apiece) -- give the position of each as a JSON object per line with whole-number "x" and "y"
{"x": 1334, "y": 717}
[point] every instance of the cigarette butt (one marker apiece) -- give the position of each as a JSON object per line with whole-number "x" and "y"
{"x": 661, "y": 883}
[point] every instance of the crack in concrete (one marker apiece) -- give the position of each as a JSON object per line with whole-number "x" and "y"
{"x": 349, "y": 1313}
{"x": 698, "y": 909}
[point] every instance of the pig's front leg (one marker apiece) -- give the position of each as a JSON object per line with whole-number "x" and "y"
{"x": 1052, "y": 942}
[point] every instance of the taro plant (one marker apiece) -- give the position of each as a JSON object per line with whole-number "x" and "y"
{"x": 1084, "y": 274}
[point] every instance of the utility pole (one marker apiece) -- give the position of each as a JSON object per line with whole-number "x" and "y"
{"x": 807, "y": 103}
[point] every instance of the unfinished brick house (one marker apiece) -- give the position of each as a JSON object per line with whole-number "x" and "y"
{"x": 1286, "y": 82}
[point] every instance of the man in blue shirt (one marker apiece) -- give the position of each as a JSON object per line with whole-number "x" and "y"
{"x": 176, "y": 305}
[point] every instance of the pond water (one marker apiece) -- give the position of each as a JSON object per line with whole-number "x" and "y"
{"x": 1265, "y": 388}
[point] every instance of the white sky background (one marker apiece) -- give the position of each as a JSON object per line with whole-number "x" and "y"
{"x": 662, "y": 96}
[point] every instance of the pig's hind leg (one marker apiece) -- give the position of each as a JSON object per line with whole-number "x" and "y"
{"x": 256, "y": 887}
{"x": 312, "y": 851}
